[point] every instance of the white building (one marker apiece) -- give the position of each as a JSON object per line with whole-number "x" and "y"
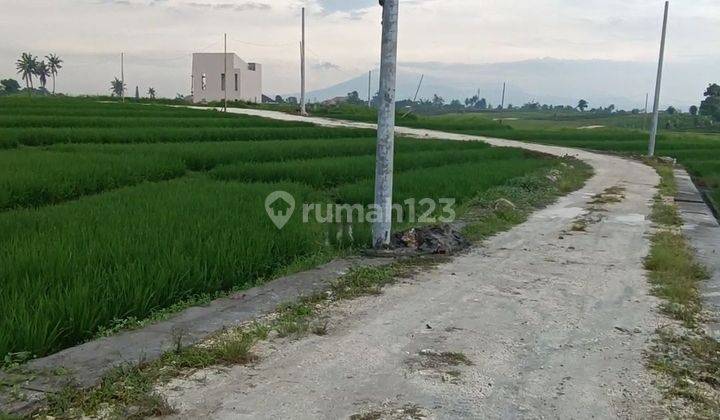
{"x": 244, "y": 82}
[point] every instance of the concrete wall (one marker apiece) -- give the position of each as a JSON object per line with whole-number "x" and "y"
{"x": 249, "y": 78}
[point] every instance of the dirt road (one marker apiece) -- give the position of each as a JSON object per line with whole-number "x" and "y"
{"x": 539, "y": 322}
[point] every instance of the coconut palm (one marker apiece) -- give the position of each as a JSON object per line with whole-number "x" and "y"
{"x": 117, "y": 87}
{"x": 151, "y": 93}
{"x": 26, "y": 66}
{"x": 42, "y": 71}
{"x": 55, "y": 64}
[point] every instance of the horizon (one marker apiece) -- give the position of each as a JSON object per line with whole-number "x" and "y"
{"x": 157, "y": 44}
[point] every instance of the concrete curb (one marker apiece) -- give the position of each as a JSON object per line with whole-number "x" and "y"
{"x": 87, "y": 363}
{"x": 703, "y": 231}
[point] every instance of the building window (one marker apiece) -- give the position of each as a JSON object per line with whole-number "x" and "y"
{"x": 204, "y": 81}
{"x": 251, "y": 66}
{"x": 236, "y": 82}
{"x": 222, "y": 81}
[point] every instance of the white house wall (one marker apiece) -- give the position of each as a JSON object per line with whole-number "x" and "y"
{"x": 211, "y": 64}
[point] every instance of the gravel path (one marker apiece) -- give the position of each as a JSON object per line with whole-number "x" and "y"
{"x": 552, "y": 323}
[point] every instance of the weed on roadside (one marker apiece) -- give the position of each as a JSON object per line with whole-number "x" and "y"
{"x": 684, "y": 354}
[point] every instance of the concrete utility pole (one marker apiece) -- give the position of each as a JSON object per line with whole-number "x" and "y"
{"x": 225, "y": 75}
{"x": 417, "y": 91}
{"x": 122, "y": 76}
{"x": 303, "y": 111}
{"x": 647, "y": 96}
{"x": 658, "y": 82}
{"x": 386, "y": 124}
{"x": 370, "y": 89}
{"x": 502, "y": 102}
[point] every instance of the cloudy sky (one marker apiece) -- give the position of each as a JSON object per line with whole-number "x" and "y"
{"x": 158, "y": 36}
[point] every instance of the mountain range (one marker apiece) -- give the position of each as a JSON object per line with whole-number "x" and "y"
{"x": 552, "y": 81}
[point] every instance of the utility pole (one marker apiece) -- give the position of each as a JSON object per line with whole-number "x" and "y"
{"x": 303, "y": 111}
{"x": 122, "y": 76}
{"x": 386, "y": 124}
{"x": 370, "y": 89}
{"x": 417, "y": 91}
{"x": 502, "y": 102}
{"x": 658, "y": 82}
{"x": 647, "y": 95}
{"x": 225, "y": 75}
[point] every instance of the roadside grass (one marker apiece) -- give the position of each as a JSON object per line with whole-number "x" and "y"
{"x": 502, "y": 207}
{"x": 684, "y": 354}
{"x": 131, "y": 392}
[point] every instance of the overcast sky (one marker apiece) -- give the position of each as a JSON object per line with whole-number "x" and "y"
{"x": 158, "y": 36}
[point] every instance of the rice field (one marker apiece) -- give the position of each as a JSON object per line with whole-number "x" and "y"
{"x": 110, "y": 211}
{"x": 698, "y": 152}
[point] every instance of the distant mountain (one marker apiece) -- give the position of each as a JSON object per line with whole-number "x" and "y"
{"x": 552, "y": 81}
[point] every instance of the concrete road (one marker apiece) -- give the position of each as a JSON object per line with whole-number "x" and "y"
{"x": 539, "y": 322}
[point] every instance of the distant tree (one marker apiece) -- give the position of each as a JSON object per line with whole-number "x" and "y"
{"x": 354, "y": 98}
{"x": 582, "y": 105}
{"x": 279, "y": 99}
{"x": 438, "y": 100}
{"x": 137, "y": 93}
{"x": 510, "y": 106}
{"x": 151, "y": 93}
{"x": 693, "y": 110}
{"x": 117, "y": 87}
{"x": 26, "y": 66}
{"x": 455, "y": 105}
{"x": 711, "y": 105}
{"x": 482, "y": 104}
{"x": 292, "y": 100}
{"x": 10, "y": 85}
{"x": 671, "y": 110}
{"x": 55, "y": 64}
{"x": 42, "y": 71}
{"x": 471, "y": 102}
{"x": 610, "y": 108}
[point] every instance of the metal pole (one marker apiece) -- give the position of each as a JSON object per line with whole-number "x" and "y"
{"x": 647, "y": 96}
{"x": 225, "y": 75}
{"x": 122, "y": 76}
{"x": 303, "y": 111}
{"x": 370, "y": 89}
{"x": 502, "y": 102}
{"x": 386, "y": 125}
{"x": 656, "y": 104}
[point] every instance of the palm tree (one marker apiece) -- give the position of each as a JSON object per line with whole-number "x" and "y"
{"x": 42, "y": 71}
{"x": 151, "y": 93}
{"x": 55, "y": 64}
{"x": 117, "y": 87}
{"x": 26, "y": 66}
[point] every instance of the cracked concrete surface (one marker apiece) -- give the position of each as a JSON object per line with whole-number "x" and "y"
{"x": 553, "y": 322}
